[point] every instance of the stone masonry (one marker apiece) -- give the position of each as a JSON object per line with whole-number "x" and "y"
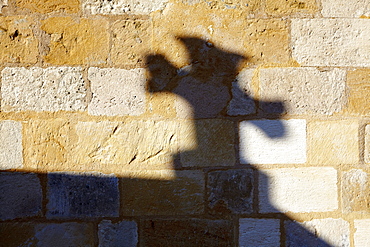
{"x": 185, "y": 123}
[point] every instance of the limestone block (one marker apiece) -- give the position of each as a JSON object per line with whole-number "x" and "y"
{"x": 242, "y": 102}
{"x": 183, "y": 194}
{"x": 315, "y": 190}
{"x": 367, "y": 143}
{"x": 318, "y": 232}
{"x": 38, "y": 89}
{"x": 333, "y": 142}
{"x": 259, "y": 232}
{"x": 11, "y": 151}
{"x": 304, "y": 90}
{"x": 122, "y": 233}
{"x": 131, "y": 41}
{"x": 187, "y": 232}
{"x": 355, "y": 191}
{"x": 358, "y": 82}
{"x": 65, "y": 234}
{"x": 273, "y": 141}
{"x": 361, "y": 236}
{"x": 117, "y": 91}
{"x": 118, "y": 7}
{"x": 331, "y": 42}
{"x": 230, "y": 191}
{"x": 3, "y": 3}
{"x": 45, "y": 6}
{"x": 20, "y": 195}
{"x": 18, "y": 43}
{"x": 280, "y": 8}
{"x": 82, "y": 195}
{"x": 251, "y": 7}
{"x": 213, "y": 146}
{"x": 76, "y": 41}
{"x": 345, "y": 8}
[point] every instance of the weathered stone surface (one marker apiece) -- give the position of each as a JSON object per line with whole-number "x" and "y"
{"x": 65, "y": 234}
{"x": 69, "y": 46}
{"x": 331, "y": 42}
{"x": 117, "y": 91}
{"x": 37, "y": 89}
{"x": 118, "y": 7}
{"x": 214, "y": 145}
{"x": 345, "y": 8}
{"x": 318, "y": 232}
{"x": 122, "y": 233}
{"x": 242, "y": 102}
{"x": 82, "y": 195}
{"x": 367, "y": 144}
{"x": 259, "y": 232}
{"x": 304, "y": 90}
{"x": 18, "y": 43}
{"x": 362, "y": 236}
{"x": 11, "y": 151}
{"x": 17, "y": 234}
{"x": 230, "y": 191}
{"x": 45, "y": 6}
{"x": 188, "y": 232}
{"x": 131, "y": 41}
{"x": 355, "y": 191}
{"x": 273, "y": 141}
{"x": 20, "y": 195}
{"x": 183, "y": 194}
{"x": 3, "y": 3}
{"x": 333, "y": 142}
{"x": 358, "y": 82}
{"x": 291, "y": 7}
{"x": 315, "y": 190}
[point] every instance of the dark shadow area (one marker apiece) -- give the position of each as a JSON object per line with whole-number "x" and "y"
{"x": 211, "y": 190}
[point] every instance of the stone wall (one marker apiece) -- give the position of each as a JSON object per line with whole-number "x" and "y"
{"x": 185, "y": 123}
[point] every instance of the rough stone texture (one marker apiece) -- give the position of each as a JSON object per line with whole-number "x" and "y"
{"x": 362, "y": 236}
{"x": 3, "y": 3}
{"x": 230, "y": 191}
{"x": 259, "y": 232}
{"x": 11, "y": 156}
{"x": 242, "y": 102}
{"x": 333, "y": 142}
{"x": 250, "y": 7}
{"x": 355, "y": 191}
{"x": 117, "y": 91}
{"x": 304, "y": 90}
{"x": 14, "y": 234}
{"x": 131, "y": 41}
{"x": 331, "y": 42}
{"x": 310, "y": 189}
{"x": 82, "y": 195}
{"x": 20, "y": 195}
{"x": 188, "y": 232}
{"x": 122, "y": 233}
{"x": 273, "y": 141}
{"x": 64, "y": 234}
{"x": 318, "y": 232}
{"x": 345, "y": 8}
{"x": 68, "y": 46}
{"x": 367, "y": 144}
{"x": 45, "y": 6}
{"x": 118, "y": 7}
{"x": 214, "y": 144}
{"x": 37, "y": 89}
{"x": 18, "y": 43}
{"x": 291, "y": 7}
{"x": 183, "y": 194}
{"x": 358, "y": 82}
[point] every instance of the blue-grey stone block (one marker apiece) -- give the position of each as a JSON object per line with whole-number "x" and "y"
{"x": 117, "y": 234}
{"x": 298, "y": 236}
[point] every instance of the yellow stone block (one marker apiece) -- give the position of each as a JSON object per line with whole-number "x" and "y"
{"x": 333, "y": 142}
{"x": 131, "y": 41}
{"x": 81, "y": 41}
{"x": 358, "y": 82}
{"x": 290, "y": 7}
{"x": 47, "y": 6}
{"x": 17, "y": 41}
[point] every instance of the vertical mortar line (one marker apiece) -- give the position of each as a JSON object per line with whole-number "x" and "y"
{"x": 282, "y": 232}
{"x": 361, "y": 141}
{"x": 352, "y": 232}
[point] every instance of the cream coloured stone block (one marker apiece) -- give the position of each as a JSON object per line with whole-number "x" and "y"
{"x": 273, "y": 141}
{"x": 331, "y": 42}
{"x": 11, "y": 156}
{"x": 345, "y": 8}
{"x": 367, "y": 143}
{"x": 308, "y": 189}
{"x": 362, "y": 236}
